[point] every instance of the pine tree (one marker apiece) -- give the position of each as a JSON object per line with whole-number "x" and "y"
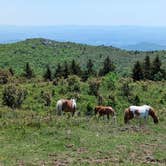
{"x": 66, "y": 70}
{"x": 89, "y": 66}
{"x": 147, "y": 68}
{"x": 75, "y": 68}
{"x": 58, "y": 71}
{"x": 84, "y": 76}
{"x": 137, "y": 72}
{"x": 48, "y": 74}
{"x": 28, "y": 72}
{"x": 156, "y": 66}
{"x": 11, "y": 71}
{"x": 108, "y": 67}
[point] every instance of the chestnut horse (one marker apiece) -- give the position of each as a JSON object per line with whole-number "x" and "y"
{"x": 140, "y": 112}
{"x": 66, "y": 106}
{"x": 103, "y": 110}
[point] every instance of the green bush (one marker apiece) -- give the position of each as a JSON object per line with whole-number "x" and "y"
{"x": 13, "y": 96}
{"x": 4, "y": 76}
{"x": 94, "y": 85}
{"x": 73, "y": 83}
{"x": 46, "y": 97}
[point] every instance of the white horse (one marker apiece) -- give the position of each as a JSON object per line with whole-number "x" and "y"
{"x": 66, "y": 106}
{"x": 140, "y": 112}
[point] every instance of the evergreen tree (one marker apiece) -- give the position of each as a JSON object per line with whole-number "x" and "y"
{"x": 156, "y": 66}
{"x": 58, "y": 71}
{"x": 28, "y": 72}
{"x": 84, "y": 76}
{"x": 48, "y": 74}
{"x": 147, "y": 68}
{"x": 108, "y": 67}
{"x": 11, "y": 71}
{"x": 137, "y": 72}
{"x": 66, "y": 70}
{"x": 89, "y": 66}
{"x": 75, "y": 68}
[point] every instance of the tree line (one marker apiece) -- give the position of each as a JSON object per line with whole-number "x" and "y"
{"x": 68, "y": 68}
{"x": 149, "y": 70}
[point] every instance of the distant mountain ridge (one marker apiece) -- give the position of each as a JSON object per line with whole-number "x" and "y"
{"x": 145, "y": 47}
{"x": 125, "y": 37}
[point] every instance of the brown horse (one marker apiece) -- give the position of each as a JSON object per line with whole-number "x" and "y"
{"x": 140, "y": 112}
{"x": 103, "y": 110}
{"x": 66, "y": 106}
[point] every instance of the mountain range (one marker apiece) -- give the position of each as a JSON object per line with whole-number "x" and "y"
{"x": 124, "y": 37}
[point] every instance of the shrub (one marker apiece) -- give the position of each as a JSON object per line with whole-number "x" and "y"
{"x": 109, "y": 81}
{"x": 94, "y": 85}
{"x": 13, "y": 96}
{"x": 4, "y": 76}
{"x": 46, "y": 96}
{"x": 89, "y": 110}
{"x": 73, "y": 83}
{"x": 126, "y": 89}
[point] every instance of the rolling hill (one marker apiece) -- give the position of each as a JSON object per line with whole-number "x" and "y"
{"x": 39, "y": 52}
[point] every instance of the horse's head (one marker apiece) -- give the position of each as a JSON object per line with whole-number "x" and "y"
{"x": 153, "y": 115}
{"x": 113, "y": 113}
{"x": 73, "y": 101}
{"x": 128, "y": 115}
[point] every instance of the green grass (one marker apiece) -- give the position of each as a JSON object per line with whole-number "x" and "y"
{"x": 35, "y": 135}
{"x": 78, "y": 141}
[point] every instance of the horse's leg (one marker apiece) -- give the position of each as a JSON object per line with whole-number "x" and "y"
{"x": 108, "y": 116}
{"x": 99, "y": 116}
{"x": 73, "y": 113}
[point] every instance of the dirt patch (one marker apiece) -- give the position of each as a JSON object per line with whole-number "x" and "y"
{"x": 82, "y": 150}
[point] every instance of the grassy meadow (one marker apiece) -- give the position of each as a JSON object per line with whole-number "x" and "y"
{"x": 34, "y": 134}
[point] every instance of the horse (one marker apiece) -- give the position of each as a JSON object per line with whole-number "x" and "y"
{"x": 104, "y": 110}
{"x": 66, "y": 106}
{"x": 140, "y": 112}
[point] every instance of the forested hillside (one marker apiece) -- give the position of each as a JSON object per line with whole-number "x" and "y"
{"x": 41, "y": 52}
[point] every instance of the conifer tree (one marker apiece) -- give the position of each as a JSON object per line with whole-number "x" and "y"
{"x": 147, "y": 68}
{"x": 108, "y": 67}
{"x": 48, "y": 74}
{"x": 11, "y": 71}
{"x": 89, "y": 66}
{"x": 58, "y": 71}
{"x": 66, "y": 70}
{"x": 156, "y": 66}
{"x": 75, "y": 68}
{"x": 137, "y": 72}
{"x": 28, "y": 72}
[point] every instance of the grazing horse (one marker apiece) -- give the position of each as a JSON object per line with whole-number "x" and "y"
{"x": 102, "y": 110}
{"x": 140, "y": 112}
{"x": 66, "y": 106}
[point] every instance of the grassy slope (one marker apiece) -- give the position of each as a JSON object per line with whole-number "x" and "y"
{"x": 35, "y": 135}
{"x": 40, "y": 52}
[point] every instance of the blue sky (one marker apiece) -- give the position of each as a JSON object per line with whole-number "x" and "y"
{"x": 83, "y": 12}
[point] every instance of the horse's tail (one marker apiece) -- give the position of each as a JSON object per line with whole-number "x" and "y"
{"x": 153, "y": 115}
{"x": 59, "y": 107}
